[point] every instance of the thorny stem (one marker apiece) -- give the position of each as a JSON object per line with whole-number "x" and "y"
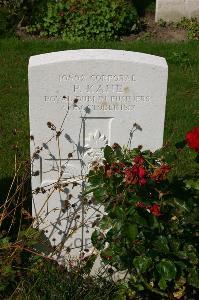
{"x": 131, "y": 137}
{"x": 64, "y": 118}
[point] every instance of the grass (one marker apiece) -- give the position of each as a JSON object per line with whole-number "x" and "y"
{"x": 47, "y": 280}
{"x": 182, "y": 111}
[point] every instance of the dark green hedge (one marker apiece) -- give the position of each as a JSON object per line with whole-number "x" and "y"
{"x": 90, "y": 19}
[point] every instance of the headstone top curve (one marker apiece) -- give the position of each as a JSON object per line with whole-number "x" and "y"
{"x": 96, "y": 54}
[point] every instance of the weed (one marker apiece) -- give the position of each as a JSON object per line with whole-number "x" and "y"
{"x": 191, "y": 26}
{"x": 162, "y": 23}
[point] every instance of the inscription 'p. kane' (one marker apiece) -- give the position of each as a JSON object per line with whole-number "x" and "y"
{"x": 99, "y": 89}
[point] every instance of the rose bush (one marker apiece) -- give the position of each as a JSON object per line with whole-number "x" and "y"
{"x": 150, "y": 226}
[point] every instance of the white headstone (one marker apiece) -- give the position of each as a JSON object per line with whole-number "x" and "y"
{"x": 112, "y": 90}
{"x": 174, "y": 10}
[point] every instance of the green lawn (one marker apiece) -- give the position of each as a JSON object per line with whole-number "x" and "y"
{"x": 182, "y": 111}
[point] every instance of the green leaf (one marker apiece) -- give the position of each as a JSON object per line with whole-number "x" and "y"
{"x": 107, "y": 252}
{"x": 140, "y": 218}
{"x": 118, "y": 152}
{"x": 108, "y": 154}
{"x": 193, "y": 258}
{"x": 182, "y": 254}
{"x": 139, "y": 287}
{"x": 175, "y": 245}
{"x": 118, "y": 213}
{"x": 166, "y": 269}
{"x": 37, "y": 240}
{"x": 193, "y": 277}
{"x": 97, "y": 239}
{"x": 112, "y": 234}
{"x": 89, "y": 263}
{"x": 94, "y": 237}
{"x": 154, "y": 223}
{"x": 142, "y": 263}
{"x": 162, "y": 284}
{"x": 105, "y": 222}
{"x": 4, "y": 243}
{"x": 181, "y": 204}
{"x": 95, "y": 178}
{"x": 99, "y": 195}
{"x": 131, "y": 231}
{"x": 161, "y": 244}
{"x": 89, "y": 190}
{"x": 181, "y": 144}
{"x": 191, "y": 253}
{"x": 192, "y": 184}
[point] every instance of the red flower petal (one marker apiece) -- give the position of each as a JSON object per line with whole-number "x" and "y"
{"x": 192, "y": 139}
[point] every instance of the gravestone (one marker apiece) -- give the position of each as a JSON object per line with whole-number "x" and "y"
{"x": 174, "y": 10}
{"x": 81, "y": 101}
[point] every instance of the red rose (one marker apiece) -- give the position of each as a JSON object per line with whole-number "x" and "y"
{"x": 141, "y": 172}
{"x": 130, "y": 176}
{"x": 192, "y": 139}
{"x": 155, "y": 210}
{"x": 139, "y": 160}
{"x": 135, "y": 175}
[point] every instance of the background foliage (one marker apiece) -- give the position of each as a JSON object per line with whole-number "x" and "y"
{"x": 71, "y": 19}
{"x": 87, "y": 19}
{"x": 16, "y": 14}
